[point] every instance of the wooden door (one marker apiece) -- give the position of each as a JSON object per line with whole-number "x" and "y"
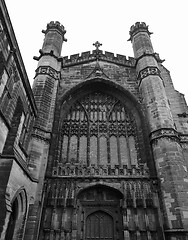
{"x": 99, "y": 226}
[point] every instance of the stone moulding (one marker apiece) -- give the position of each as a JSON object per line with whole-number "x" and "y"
{"x": 151, "y": 70}
{"x": 47, "y": 70}
{"x": 41, "y": 134}
{"x": 184, "y": 138}
{"x": 68, "y": 170}
{"x": 164, "y": 133}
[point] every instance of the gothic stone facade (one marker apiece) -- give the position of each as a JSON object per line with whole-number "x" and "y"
{"x": 97, "y": 149}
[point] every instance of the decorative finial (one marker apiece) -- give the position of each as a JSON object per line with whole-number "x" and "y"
{"x": 97, "y": 44}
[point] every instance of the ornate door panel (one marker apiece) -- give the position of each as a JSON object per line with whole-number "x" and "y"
{"x": 99, "y": 226}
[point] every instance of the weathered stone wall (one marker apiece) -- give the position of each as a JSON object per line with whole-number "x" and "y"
{"x": 17, "y": 114}
{"x": 177, "y": 102}
{"x": 122, "y": 75}
{"x": 179, "y": 110}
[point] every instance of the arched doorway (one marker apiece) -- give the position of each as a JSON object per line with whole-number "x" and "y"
{"x": 16, "y": 222}
{"x": 100, "y": 214}
{"x": 99, "y": 225}
{"x": 12, "y": 221}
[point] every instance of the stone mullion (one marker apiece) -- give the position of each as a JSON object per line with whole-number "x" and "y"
{"x": 60, "y": 146}
{"x": 127, "y": 137}
{"x": 78, "y": 135}
{"x": 69, "y": 134}
{"x": 98, "y": 131}
{"x": 108, "y": 134}
{"x": 137, "y": 146}
{"x": 88, "y": 160}
{"x": 118, "y": 142}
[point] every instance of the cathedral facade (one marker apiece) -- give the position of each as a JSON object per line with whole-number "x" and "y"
{"x": 97, "y": 149}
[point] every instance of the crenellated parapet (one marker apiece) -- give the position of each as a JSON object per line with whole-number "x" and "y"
{"x": 55, "y": 26}
{"x": 138, "y": 27}
{"x": 98, "y": 55}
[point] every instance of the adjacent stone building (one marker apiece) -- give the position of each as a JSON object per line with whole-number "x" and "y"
{"x": 97, "y": 149}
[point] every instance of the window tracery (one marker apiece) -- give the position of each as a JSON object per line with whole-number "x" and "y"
{"x": 98, "y": 129}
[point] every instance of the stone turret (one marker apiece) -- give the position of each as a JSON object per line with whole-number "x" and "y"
{"x": 48, "y": 73}
{"x": 54, "y": 37}
{"x": 45, "y": 91}
{"x": 140, "y": 37}
{"x": 168, "y": 155}
{"x": 150, "y": 81}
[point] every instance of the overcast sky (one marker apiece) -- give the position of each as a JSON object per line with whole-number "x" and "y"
{"x": 109, "y": 22}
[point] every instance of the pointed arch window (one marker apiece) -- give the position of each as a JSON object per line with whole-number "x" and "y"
{"x": 99, "y": 130}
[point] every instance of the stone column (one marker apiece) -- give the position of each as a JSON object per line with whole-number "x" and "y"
{"x": 170, "y": 163}
{"x": 45, "y": 90}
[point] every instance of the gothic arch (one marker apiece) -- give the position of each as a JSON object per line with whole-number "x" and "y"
{"x": 73, "y": 93}
{"x": 104, "y": 185}
{"x": 114, "y": 98}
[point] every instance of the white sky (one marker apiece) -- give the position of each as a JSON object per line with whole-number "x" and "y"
{"x": 109, "y": 22}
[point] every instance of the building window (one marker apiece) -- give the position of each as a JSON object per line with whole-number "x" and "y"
{"x": 3, "y": 82}
{"x": 20, "y": 128}
{"x": 3, "y": 134}
{"x": 99, "y": 130}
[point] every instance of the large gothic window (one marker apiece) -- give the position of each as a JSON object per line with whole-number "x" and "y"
{"x": 98, "y": 129}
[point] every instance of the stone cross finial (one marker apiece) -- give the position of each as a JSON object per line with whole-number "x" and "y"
{"x": 97, "y": 44}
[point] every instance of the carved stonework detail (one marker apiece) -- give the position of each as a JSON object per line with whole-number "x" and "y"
{"x": 184, "y": 138}
{"x": 41, "y": 134}
{"x": 93, "y": 126}
{"x": 136, "y": 201}
{"x": 169, "y": 133}
{"x": 183, "y": 115}
{"x": 147, "y": 72}
{"x": 47, "y": 70}
{"x": 94, "y": 171}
